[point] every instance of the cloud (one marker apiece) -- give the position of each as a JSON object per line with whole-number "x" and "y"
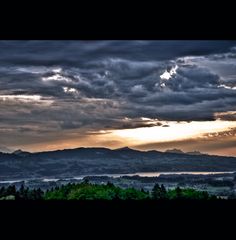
{"x": 228, "y": 115}
{"x": 130, "y": 123}
{"x": 62, "y": 85}
{"x": 227, "y": 133}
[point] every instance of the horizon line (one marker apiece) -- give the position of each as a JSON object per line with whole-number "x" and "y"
{"x": 112, "y": 149}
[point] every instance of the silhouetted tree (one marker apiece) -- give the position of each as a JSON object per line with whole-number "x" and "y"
{"x": 22, "y": 191}
{"x": 163, "y": 192}
{"x": 85, "y": 181}
{"x": 156, "y": 191}
{"x": 109, "y": 184}
{"x": 11, "y": 190}
{"x": 2, "y": 191}
{"x": 178, "y": 193}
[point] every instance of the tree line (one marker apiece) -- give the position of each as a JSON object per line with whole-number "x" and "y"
{"x": 88, "y": 191}
{"x": 10, "y": 193}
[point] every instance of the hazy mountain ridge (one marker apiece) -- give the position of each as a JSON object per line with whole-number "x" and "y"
{"x": 87, "y": 161}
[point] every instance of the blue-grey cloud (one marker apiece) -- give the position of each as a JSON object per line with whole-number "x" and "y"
{"x": 60, "y": 85}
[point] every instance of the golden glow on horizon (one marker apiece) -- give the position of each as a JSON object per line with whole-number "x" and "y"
{"x": 175, "y": 131}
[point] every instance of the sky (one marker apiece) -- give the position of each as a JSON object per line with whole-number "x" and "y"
{"x": 141, "y": 94}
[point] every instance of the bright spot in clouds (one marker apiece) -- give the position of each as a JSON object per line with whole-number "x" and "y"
{"x": 57, "y": 70}
{"x": 70, "y": 90}
{"x": 57, "y": 77}
{"x": 20, "y": 97}
{"x": 168, "y": 74}
{"x": 26, "y": 99}
{"x": 227, "y": 87}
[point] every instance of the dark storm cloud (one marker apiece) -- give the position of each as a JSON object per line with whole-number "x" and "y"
{"x": 97, "y": 84}
{"x": 48, "y": 53}
{"x": 131, "y": 123}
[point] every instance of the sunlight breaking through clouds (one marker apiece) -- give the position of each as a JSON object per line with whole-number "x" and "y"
{"x": 175, "y": 131}
{"x": 138, "y": 91}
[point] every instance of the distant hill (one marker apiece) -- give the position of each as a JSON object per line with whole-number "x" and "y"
{"x": 195, "y": 153}
{"x": 21, "y": 153}
{"x": 174, "y": 151}
{"x": 91, "y": 161}
{"x": 181, "y": 152}
{"x": 124, "y": 149}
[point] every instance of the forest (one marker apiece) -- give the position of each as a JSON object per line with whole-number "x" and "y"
{"x": 88, "y": 191}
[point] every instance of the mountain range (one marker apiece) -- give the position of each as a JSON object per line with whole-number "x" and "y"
{"x": 89, "y": 161}
{"x": 181, "y": 152}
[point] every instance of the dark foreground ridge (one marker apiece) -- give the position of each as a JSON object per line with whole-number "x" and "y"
{"x": 108, "y": 206}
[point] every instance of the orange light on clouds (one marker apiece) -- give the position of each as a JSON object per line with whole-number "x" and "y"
{"x": 175, "y": 131}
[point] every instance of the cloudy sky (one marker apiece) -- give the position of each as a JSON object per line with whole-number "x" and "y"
{"x": 142, "y": 94}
